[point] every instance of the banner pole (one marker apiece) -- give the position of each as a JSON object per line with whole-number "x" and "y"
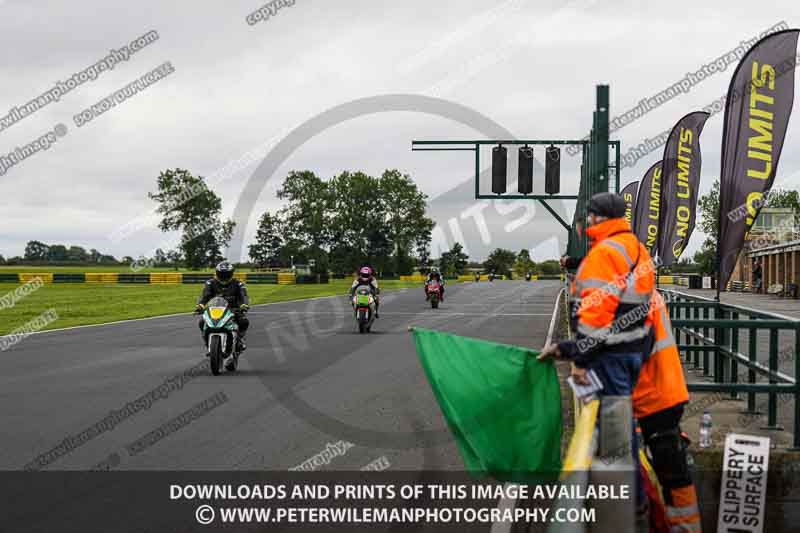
{"x": 719, "y": 258}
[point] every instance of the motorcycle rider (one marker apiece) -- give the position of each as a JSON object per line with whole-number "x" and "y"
{"x": 366, "y": 277}
{"x": 234, "y": 291}
{"x": 435, "y": 275}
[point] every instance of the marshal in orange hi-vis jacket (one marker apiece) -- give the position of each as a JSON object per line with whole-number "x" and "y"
{"x": 658, "y": 402}
{"x": 661, "y": 383}
{"x": 613, "y": 285}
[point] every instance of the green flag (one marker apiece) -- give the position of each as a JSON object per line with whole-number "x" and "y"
{"x": 502, "y": 405}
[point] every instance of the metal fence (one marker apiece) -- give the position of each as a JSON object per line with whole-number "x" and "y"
{"x": 716, "y": 338}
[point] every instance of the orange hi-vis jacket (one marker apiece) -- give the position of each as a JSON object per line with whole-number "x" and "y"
{"x": 613, "y": 287}
{"x": 661, "y": 382}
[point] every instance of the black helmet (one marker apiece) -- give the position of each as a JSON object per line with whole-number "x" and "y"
{"x": 607, "y": 204}
{"x": 224, "y": 272}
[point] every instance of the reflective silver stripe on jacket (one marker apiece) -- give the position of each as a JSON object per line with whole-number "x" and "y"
{"x": 670, "y": 339}
{"x": 620, "y": 248}
{"x": 602, "y": 284}
{"x": 681, "y": 512}
{"x": 628, "y": 336}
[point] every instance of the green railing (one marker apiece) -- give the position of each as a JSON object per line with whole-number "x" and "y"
{"x": 716, "y": 338}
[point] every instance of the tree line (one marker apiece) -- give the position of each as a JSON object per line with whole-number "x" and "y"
{"x": 334, "y": 225}
{"x": 39, "y": 252}
{"x": 705, "y": 259}
{"x": 500, "y": 261}
{"x": 344, "y": 222}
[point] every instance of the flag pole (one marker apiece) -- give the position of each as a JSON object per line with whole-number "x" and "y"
{"x": 719, "y": 258}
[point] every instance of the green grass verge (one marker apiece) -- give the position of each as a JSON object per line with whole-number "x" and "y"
{"x": 81, "y": 304}
{"x": 112, "y": 268}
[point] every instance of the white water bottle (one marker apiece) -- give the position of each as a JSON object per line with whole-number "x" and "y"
{"x": 705, "y": 430}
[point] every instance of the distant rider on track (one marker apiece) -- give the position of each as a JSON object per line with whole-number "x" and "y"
{"x": 234, "y": 291}
{"x": 366, "y": 277}
{"x": 435, "y": 275}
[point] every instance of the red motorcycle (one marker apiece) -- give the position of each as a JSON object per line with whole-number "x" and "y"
{"x": 434, "y": 293}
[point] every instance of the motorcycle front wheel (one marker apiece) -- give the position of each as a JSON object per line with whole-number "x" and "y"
{"x": 215, "y": 348}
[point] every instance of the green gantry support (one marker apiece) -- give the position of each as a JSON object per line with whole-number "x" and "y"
{"x": 596, "y": 172}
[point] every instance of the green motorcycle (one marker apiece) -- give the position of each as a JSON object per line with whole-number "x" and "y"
{"x": 364, "y": 308}
{"x": 221, "y": 334}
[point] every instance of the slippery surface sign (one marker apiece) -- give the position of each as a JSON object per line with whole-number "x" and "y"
{"x": 744, "y": 484}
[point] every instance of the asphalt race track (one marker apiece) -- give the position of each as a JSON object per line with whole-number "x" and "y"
{"x": 308, "y": 384}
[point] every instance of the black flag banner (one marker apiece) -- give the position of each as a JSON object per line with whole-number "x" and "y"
{"x": 680, "y": 181}
{"x": 757, "y": 111}
{"x": 648, "y": 208}
{"x": 629, "y": 195}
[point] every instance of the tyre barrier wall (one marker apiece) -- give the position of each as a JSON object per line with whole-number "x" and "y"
{"x": 677, "y": 279}
{"x": 157, "y": 278}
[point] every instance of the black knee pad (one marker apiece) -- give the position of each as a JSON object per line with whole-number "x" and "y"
{"x": 200, "y": 324}
{"x": 668, "y": 451}
{"x": 244, "y": 323}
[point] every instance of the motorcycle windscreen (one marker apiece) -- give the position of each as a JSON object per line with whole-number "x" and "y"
{"x": 363, "y": 296}
{"x": 217, "y": 307}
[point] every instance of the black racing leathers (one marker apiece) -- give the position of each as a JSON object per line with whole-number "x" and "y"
{"x": 235, "y": 292}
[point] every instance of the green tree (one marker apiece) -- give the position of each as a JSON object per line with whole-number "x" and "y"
{"x": 355, "y": 218}
{"x": 422, "y": 248}
{"x": 706, "y": 257}
{"x": 453, "y": 261}
{"x": 307, "y": 214}
{"x": 174, "y": 257}
{"x": 524, "y": 263}
{"x": 77, "y": 253}
{"x": 501, "y": 261}
{"x": 159, "y": 257}
{"x": 2, "y": 260}
{"x": 551, "y": 267}
{"x": 267, "y": 248}
{"x": 186, "y": 204}
{"x": 57, "y": 252}
{"x": 785, "y": 198}
{"x": 403, "y": 208}
{"x": 357, "y": 229}
{"x": 709, "y": 211}
{"x": 36, "y": 251}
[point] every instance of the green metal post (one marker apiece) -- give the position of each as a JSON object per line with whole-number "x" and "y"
{"x": 719, "y": 342}
{"x": 696, "y": 357}
{"x": 477, "y": 170}
{"x": 752, "y": 355}
{"x": 706, "y": 369}
{"x": 601, "y": 148}
{"x": 735, "y": 349}
{"x": 772, "y": 404}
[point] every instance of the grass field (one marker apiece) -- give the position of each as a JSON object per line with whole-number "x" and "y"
{"x": 81, "y": 304}
{"x": 112, "y": 268}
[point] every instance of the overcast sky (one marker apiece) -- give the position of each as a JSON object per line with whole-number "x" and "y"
{"x": 524, "y": 68}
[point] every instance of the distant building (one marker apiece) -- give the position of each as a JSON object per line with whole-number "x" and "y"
{"x": 774, "y": 225}
{"x": 774, "y": 242}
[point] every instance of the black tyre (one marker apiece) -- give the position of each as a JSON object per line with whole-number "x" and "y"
{"x": 362, "y": 327}
{"x": 435, "y": 303}
{"x": 215, "y": 348}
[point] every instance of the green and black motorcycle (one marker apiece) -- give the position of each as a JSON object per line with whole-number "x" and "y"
{"x": 221, "y": 333}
